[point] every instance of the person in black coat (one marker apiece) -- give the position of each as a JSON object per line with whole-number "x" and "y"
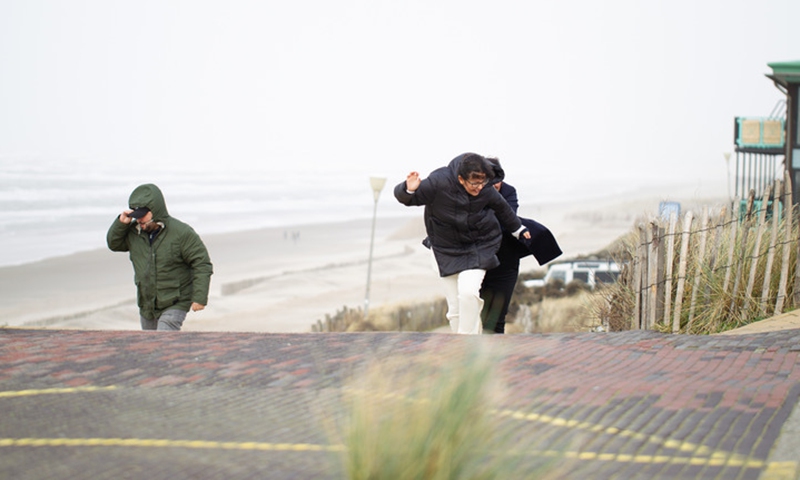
{"x": 463, "y": 222}
{"x": 498, "y": 283}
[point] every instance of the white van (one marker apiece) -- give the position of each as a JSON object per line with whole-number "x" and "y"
{"x": 590, "y": 272}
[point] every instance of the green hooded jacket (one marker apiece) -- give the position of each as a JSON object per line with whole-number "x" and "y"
{"x": 175, "y": 270}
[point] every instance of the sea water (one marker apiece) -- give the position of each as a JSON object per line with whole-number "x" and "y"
{"x": 55, "y": 207}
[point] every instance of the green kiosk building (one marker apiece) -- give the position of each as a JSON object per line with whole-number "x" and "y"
{"x": 786, "y": 76}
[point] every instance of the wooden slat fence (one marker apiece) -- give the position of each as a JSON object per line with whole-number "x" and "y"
{"x": 725, "y": 273}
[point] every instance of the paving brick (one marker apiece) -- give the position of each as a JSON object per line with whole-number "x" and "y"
{"x": 623, "y": 405}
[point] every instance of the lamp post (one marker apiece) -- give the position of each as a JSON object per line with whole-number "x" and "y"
{"x": 377, "y": 184}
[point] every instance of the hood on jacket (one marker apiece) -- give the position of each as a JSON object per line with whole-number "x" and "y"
{"x": 150, "y": 196}
{"x": 494, "y": 172}
{"x": 498, "y": 174}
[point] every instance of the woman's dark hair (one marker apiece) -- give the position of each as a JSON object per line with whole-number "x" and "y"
{"x": 474, "y": 165}
{"x": 494, "y": 161}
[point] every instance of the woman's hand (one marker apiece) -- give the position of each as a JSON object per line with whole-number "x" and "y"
{"x": 412, "y": 181}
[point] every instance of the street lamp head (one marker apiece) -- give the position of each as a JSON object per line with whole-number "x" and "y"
{"x": 377, "y": 184}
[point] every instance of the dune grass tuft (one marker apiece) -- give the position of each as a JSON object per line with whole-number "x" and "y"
{"x": 428, "y": 420}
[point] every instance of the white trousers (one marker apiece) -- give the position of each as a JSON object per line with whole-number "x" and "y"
{"x": 464, "y": 302}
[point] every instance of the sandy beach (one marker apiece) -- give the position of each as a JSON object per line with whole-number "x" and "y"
{"x": 285, "y": 279}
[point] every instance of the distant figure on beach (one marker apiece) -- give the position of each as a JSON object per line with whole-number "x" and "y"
{"x": 172, "y": 268}
{"x": 461, "y": 220}
{"x": 499, "y": 282}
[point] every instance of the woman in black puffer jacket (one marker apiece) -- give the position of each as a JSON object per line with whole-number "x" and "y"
{"x": 461, "y": 220}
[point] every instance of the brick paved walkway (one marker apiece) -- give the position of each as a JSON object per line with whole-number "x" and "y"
{"x": 157, "y": 405}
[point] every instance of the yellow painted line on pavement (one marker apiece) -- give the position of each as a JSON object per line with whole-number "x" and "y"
{"x": 595, "y": 428}
{"x": 774, "y": 470}
{"x": 161, "y": 443}
{"x": 697, "y": 454}
{"x": 740, "y": 462}
{"x": 50, "y": 391}
{"x": 140, "y": 442}
{"x": 664, "y": 459}
{"x": 701, "y": 454}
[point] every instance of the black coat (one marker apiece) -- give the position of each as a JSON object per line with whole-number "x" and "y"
{"x": 463, "y": 230}
{"x": 542, "y": 244}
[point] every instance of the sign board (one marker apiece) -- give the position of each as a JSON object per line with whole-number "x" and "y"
{"x": 772, "y": 133}
{"x": 756, "y": 132}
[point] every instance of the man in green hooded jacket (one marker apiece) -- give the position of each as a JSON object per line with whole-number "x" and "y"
{"x": 172, "y": 268}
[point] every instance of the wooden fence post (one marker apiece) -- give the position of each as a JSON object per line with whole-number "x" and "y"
{"x": 718, "y": 230}
{"x": 698, "y": 273}
{"x": 773, "y": 238}
{"x": 745, "y": 234}
{"x": 658, "y": 233}
{"x": 652, "y": 274}
{"x": 637, "y": 281}
{"x": 788, "y": 213}
{"x": 734, "y": 227}
{"x": 796, "y": 295}
{"x": 673, "y": 220}
{"x": 762, "y": 215}
{"x": 687, "y": 227}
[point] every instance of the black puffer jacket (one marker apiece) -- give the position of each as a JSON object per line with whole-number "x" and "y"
{"x": 463, "y": 233}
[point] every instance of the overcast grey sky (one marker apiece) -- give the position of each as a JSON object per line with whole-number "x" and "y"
{"x": 617, "y": 88}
